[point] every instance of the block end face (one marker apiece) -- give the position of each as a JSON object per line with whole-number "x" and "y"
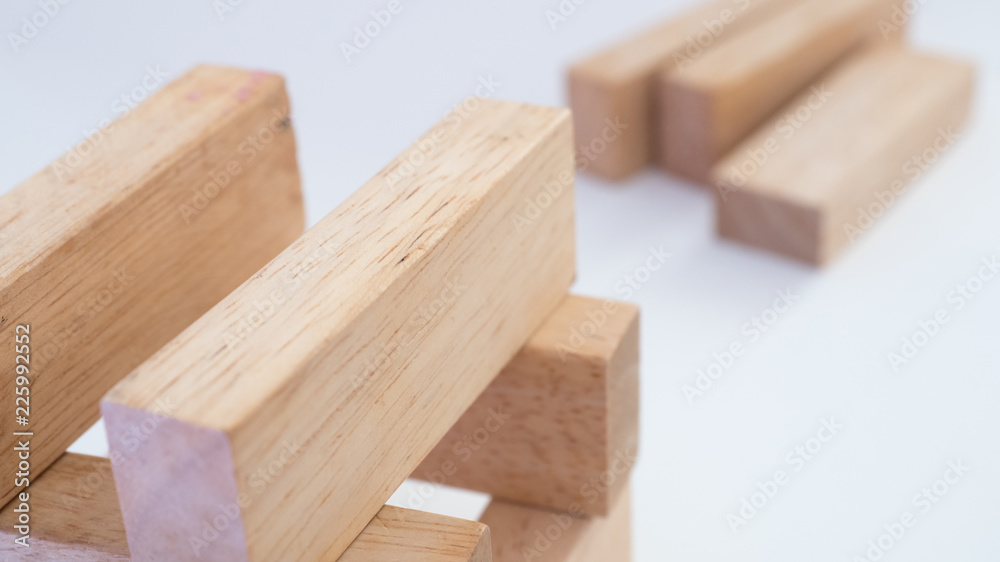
{"x": 176, "y": 487}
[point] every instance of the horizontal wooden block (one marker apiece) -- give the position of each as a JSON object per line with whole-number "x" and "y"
{"x": 709, "y": 106}
{"x": 560, "y": 417}
{"x": 358, "y": 347}
{"x": 612, "y": 93}
{"x": 74, "y": 515}
{"x": 797, "y": 191}
{"x": 114, "y": 248}
{"x": 520, "y": 532}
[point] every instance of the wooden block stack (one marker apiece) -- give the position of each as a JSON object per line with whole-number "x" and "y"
{"x": 273, "y": 423}
{"x": 800, "y": 115}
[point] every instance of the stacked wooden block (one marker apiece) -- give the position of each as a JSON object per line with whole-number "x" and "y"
{"x": 265, "y": 392}
{"x": 802, "y": 116}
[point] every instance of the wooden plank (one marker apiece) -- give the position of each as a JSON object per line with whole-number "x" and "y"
{"x": 378, "y": 329}
{"x": 74, "y": 515}
{"x": 707, "y": 107}
{"x": 113, "y": 249}
{"x": 562, "y": 414}
{"x": 799, "y": 193}
{"x": 520, "y": 532}
{"x": 612, "y": 93}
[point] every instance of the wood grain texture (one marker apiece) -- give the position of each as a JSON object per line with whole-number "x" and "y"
{"x": 108, "y": 255}
{"x": 560, "y": 416}
{"x": 311, "y": 392}
{"x": 799, "y": 194}
{"x": 707, "y": 107}
{"x": 75, "y": 516}
{"x": 612, "y": 93}
{"x": 520, "y": 532}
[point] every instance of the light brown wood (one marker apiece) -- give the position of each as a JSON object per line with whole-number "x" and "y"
{"x": 376, "y": 330}
{"x": 612, "y": 93}
{"x": 109, "y": 255}
{"x": 75, "y": 516}
{"x": 707, "y": 107}
{"x": 798, "y": 191}
{"x": 563, "y": 413}
{"x": 520, "y": 532}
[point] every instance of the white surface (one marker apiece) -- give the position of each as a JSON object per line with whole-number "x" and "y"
{"x": 826, "y": 356}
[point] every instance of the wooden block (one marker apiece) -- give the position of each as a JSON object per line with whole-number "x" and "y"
{"x": 520, "y": 532}
{"x": 358, "y": 347}
{"x": 612, "y": 93}
{"x": 74, "y": 515}
{"x": 562, "y": 415}
{"x": 798, "y": 191}
{"x": 707, "y": 107}
{"x": 113, "y": 249}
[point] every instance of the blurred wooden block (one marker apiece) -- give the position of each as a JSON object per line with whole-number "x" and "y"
{"x": 707, "y": 107}
{"x": 612, "y": 93}
{"x": 74, "y": 515}
{"x": 376, "y": 330}
{"x": 113, "y": 249}
{"x": 889, "y": 113}
{"x": 520, "y": 533}
{"x": 561, "y": 414}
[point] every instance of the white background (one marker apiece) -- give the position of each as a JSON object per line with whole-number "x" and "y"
{"x": 826, "y": 356}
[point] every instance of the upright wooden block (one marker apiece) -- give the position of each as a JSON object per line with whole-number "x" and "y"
{"x": 799, "y": 193}
{"x": 562, "y": 415}
{"x": 74, "y": 515}
{"x": 707, "y": 107}
{"x": 359, "y": 346}
{"x": 520, "y": 532}
{"x": 612, "y": 93}
{"x": 113, "y": 249}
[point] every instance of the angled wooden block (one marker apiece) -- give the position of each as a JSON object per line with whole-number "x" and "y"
{"x": 520, "y": 532}
{"x": 707, "y": 107}
{"x": 612, "y": 93}
{"x": 74, "y": 515}
{"x": 562, "y": 415}
{"x": 311, "y": 392}
{"x": 869, "y": 126}
{"x": 113, "y": 249}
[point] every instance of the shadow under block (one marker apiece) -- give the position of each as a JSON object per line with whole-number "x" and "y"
{"x": 116, "y": 247}
{"x": 800, "y": 193}
{"x": 519, "y": 532}
{"x": 612, "y": 93}
{"x": 707, "y": 107}
{"x": 562, "y": 414}
{"x": 75, "y": 516}
{"x": 340, "y": 365}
